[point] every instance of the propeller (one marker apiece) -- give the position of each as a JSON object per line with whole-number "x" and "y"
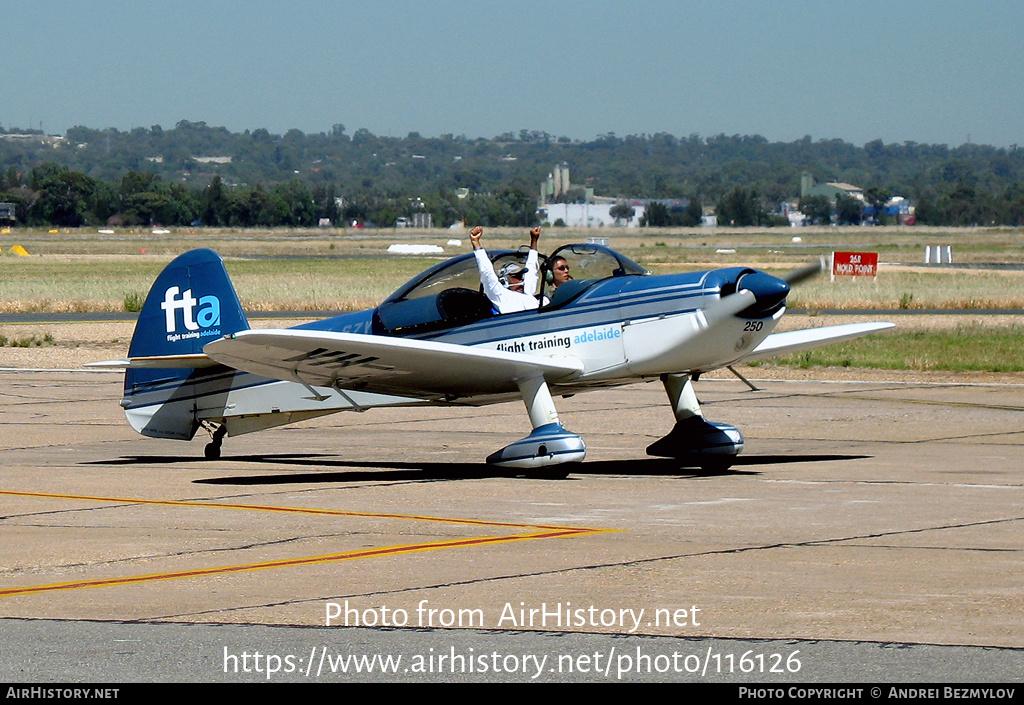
{"x": 805, "y": 272}
{"x": 769, "y": 292}
{"x": 792, "y": 278}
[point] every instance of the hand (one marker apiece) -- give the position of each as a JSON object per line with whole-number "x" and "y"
{"x": 534, "y": 237}
{"x": 474, "y": 236}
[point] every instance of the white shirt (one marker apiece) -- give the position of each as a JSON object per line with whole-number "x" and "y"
{"x": 506, "y": 300}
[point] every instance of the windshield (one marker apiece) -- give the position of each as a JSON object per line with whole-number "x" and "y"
{"x": 595, "y": 262}
{"x": 582, "y": 266}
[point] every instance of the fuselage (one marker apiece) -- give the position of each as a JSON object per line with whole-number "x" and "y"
{"x": 621, "y": 328}
{"x": 622, "y": 324}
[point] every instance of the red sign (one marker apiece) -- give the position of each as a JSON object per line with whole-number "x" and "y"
{"x": 855, "y": 264}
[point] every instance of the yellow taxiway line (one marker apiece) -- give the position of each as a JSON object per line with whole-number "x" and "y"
{"x": 539, "y": 531}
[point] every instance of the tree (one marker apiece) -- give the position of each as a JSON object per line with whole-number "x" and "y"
{"x": 148, "y": 208}
{"x": 818, "y": 209}
{"x": 849, "y": 211}
{"x": 1014, "y": 198}
{"x": 63, "y": 195}
{"x": 656, "y": 215}
{"x": 878, "y": 197}
{"x": 214, "y": 209}
{"x": 741, "y": 207}
{"x": 967, "y": 182}
{"x": 136, "y": 182}
{"x": 519, "y": 207}
{"x": 622, "y": 211}
{"x": 12, "y": 180}
{"x": 301, "y": 210}
{"x": 692, "y": 215}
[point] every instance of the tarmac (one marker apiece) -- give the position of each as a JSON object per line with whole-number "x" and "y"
{"x": 875, "y": 516}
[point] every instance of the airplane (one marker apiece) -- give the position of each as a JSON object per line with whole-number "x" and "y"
{"x": 194, "y": 362}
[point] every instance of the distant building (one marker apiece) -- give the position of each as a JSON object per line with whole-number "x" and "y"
{"x": 832, "y": 190}
{"x": 791, "y": 212}
{"x": 52, "y": 140}
{"x": 8, "y": 213}
{"x": 557, "y": 184}
{"x": 589, "y": 215}
{"x": 897, "y": 208}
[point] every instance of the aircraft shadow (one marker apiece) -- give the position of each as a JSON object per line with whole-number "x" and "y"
{"x": 428, "y": 472}
{"x": 362, "y": 471}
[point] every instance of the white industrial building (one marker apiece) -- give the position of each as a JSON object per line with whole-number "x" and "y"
{"x": 588, "y": 215}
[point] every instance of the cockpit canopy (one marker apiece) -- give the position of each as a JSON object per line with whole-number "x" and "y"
{"x": 590, "y": 262}
{"x": 449, "y": 293}
{"x": 596, "y": 262}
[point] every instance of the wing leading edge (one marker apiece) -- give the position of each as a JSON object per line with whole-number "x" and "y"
{"x": 381, "y": 364}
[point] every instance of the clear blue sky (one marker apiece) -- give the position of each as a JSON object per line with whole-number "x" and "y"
{"x": 933, "y": 71}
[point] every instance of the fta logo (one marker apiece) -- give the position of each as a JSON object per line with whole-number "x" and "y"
{"x": 195, "y": 313}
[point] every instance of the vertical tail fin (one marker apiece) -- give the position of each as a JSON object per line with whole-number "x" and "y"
{"x": 191, "y": 304}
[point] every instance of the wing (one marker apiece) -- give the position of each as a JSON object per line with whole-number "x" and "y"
{"x": 796, "y": 340}
{"x": 383, "y": 364}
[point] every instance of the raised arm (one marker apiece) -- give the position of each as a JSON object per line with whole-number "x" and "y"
{"x": 531, "y": 278}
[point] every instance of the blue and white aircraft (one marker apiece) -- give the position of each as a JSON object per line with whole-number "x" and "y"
{"x": 195, "y": 363}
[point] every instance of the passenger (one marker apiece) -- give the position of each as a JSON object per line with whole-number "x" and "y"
{"x": 559, "y": 272}
{"x": 512, "y": 289}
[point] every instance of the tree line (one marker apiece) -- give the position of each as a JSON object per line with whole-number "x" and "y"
{"x": 198, "y": 173}
{"x": 54, "y": 195}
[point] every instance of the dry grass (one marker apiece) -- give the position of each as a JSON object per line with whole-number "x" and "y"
{"x": 81, "y": 271}
{"x": 90, "y": 283}
{"x": 905, "y": 288}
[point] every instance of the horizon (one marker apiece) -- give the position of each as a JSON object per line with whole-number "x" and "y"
{"x": 554, "y": 137}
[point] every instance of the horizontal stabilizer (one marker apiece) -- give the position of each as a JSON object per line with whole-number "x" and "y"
{"x": 157, "y": 362}
{"x": 382, "y": 364}
{"x": 797, "y": 340}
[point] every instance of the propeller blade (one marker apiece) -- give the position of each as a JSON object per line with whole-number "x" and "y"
{"x": 806, "y": 272}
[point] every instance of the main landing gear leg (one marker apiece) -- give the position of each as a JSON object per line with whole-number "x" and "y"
{"x": 549, "y": 443}
{"x": 212, "y": 450}
{"x": 694, "y": 441}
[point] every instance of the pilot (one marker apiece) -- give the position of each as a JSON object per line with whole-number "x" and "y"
{"x": 510, "y": 290}
{"x": 559, "y": 272}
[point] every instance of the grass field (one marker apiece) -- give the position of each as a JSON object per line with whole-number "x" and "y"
{"x": 972, "y": 346}
{"x": 79, "y": 283}
{"x": 79, "y": 271}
